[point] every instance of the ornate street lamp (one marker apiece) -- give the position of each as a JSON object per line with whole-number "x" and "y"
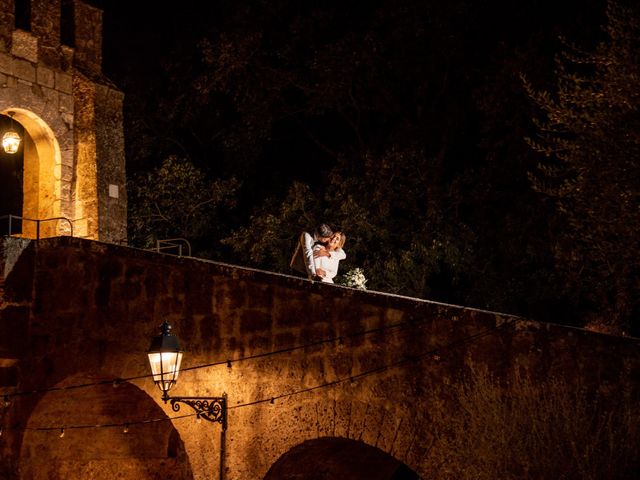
{"x": 11, "y": 139}
{"x": 165, "y": 357}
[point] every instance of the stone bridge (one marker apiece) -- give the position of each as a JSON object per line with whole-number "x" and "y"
{"x": 322, "y": 381}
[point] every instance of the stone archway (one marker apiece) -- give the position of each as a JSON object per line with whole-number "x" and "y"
{"x": 146, "y": 450}
{"x": 46, "y": 188}
{"x": 333, "y": 458}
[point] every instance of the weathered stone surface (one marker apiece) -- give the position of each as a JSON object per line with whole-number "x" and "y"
{"x": 6, "y": 63}
{"x": 88, "y": 37}
{"x": 97, "y": 104}
{"x": 25, "y": 45}
{"x": 45, "y": 21}
{"x": 45, "y": 77}
{"x": 13, "y": 330}
{"x": 75, "y": 311}
{"x": 24, "y": 70}
{"x": 64, "y": 82}
{"x": 7, "y": 21}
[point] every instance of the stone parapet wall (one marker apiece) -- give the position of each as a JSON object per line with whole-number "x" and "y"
{"x": 299, "y": 360}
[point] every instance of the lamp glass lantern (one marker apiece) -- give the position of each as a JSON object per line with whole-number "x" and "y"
{"x": 11, "y": 139}
{"x": 165, "y": 357}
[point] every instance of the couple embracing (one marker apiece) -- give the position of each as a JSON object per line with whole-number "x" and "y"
{"x": 317, "y": 256}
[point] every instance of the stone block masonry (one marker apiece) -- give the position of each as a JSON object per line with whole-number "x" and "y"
{"x": 300, "y": 361}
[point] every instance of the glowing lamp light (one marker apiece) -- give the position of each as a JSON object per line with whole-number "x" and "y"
{"x": 11, "y": 139}
{"x": 165, "y": 357}
{"x": 10, "y": 142}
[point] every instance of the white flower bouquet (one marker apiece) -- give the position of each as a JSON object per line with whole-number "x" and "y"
{"x": 354, "y": 278}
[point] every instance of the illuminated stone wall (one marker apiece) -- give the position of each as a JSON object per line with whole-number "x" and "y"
{"x": 74, "y": 311}
{"x": 74, "y": 147}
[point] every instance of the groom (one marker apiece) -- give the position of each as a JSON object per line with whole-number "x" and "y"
{"x": 302, "y": 260}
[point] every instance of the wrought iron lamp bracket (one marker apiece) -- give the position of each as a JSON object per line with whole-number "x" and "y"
{"x": 212, "y": 409}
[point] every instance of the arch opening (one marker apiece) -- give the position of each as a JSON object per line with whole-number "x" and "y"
{"x": 333, "y": 458}
{"x": 11, "y": 180}
{"x": 144, "y": 451}
{"x": 45, "y": 183}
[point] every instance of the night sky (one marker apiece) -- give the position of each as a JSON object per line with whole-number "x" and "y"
{"x": 141, "y": 38}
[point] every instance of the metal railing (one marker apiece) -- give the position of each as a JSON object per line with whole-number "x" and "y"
{"x": 11, "y": 219}
{"x": 173, "y": 243}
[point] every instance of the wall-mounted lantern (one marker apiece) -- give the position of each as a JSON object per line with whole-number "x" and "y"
{"x": 165, "y": 357}
{"x": 11, "y": 139}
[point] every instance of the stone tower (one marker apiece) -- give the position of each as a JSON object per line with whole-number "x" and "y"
{"x": 52, "y": 85}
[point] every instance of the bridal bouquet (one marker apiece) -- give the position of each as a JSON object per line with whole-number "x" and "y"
{"x": 354, "y": 278}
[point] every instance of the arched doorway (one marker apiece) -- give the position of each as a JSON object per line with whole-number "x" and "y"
{"x": 11, "y": 180}
{"x": 332, "y": 458}
{"x": 146, "y": 450}
{"x": 46, "y": 185}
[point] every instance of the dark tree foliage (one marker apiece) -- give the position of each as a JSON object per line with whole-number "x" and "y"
{"x": 177, "y": 200}
{"x": 589, "y": 133}
{"x": 400, "y": 122}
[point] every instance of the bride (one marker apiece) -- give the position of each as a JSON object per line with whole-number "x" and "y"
{"x": 328, "y": 257}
